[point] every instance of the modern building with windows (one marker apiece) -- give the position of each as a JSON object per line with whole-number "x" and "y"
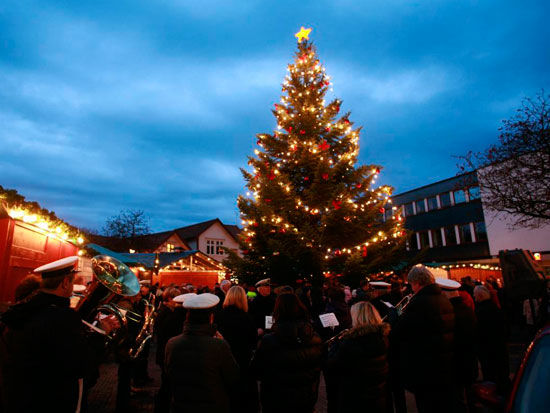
{"x": 449, "y": 223}
{"x": 446, "y": 219}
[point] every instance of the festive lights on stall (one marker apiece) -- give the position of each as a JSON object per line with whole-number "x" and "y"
{"x": 52, "y": 228}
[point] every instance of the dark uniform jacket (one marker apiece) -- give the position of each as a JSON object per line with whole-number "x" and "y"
{"x": 260, "y": 307}
{"x": 359, "y": 369}
{"x": 42, "y": 355}
{"x": 288, "y": 365}
{"x": 168, "y": 324}
{"x": 237, "y": 328}
{"x": 202, "y": 371}
{"x": 465, "y": 342}
{"x": 425, "y": 336}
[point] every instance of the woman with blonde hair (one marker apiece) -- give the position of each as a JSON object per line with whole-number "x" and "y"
{"x": 237, "y": 328}
{"x": 358, "y": 364}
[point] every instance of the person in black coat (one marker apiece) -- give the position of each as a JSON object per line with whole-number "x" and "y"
{"x": 425, "y": 336}
{"x": 465, "y": 363}
{"x": 46, "y": 354}
{"x": 357, "y": 363}
{"x": 262, "y": 305}
{"x": 200, "y": 367}
{"x": 168, "y": 323}
{"x": 492, "y": 335}
{"x": 237, "y": 328}
{"x": 288, "y": 360}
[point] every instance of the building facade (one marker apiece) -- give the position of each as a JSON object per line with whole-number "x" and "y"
{"x": 446, "y": 220}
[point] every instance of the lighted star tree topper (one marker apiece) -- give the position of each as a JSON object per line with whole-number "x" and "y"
{"x": 310, "y": 211}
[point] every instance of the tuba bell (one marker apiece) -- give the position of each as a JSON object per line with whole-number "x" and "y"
{"x": 113, "y": 280}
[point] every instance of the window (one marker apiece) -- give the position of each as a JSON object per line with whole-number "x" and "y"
{"x": 388, "y": 214}
{"x": 432, "y": 203}
{"x": 460, "y": 196}
{"x": 219, "y": 248}
{"x": 450, "y": 235}
{"x": 424, "y": 239}
{"x": 169, "y": 247}
{"x": 445, "y": 199}
{"x": 437, "y": 239}
{"x": 408, "y": 209}
{"x": 481, "y": 231}
{"x": 474, "y": 192}
{"x": 413, "y": 244}
{"x": 420, "y": 207}
{"x": 465, "y": 233}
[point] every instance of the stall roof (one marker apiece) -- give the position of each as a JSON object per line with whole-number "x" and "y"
{"x": 146, "y": 260}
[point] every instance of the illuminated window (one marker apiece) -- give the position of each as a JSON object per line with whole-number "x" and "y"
{"x": 169, "y": 247}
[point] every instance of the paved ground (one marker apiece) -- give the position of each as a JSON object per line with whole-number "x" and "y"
{"x": 103, "y": 396}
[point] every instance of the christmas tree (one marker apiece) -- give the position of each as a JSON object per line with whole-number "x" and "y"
{"x": 310, "y": 211}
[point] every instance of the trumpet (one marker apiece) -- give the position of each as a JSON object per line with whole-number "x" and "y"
{"x": 401, "y": 305}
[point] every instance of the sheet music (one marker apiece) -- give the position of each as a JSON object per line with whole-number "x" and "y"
{"x": 329, "y": 320}
{"x": 268, "y": 322}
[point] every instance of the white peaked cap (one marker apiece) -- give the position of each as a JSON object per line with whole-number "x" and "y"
{"x": 181, "y": 298}
{"x": 201, "y": 301}
{"x": 78, "y": 288}
{"x": 379, "y": 284}
{"x": 447, "y": 284}
{"x": 59, "y": 267}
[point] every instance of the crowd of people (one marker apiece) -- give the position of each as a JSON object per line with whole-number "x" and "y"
{"x": 264, "y": 348}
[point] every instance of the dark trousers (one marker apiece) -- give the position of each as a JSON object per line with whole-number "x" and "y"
{"x": 164, "y": 396}
{"x": 435, "y": 400}
{"x": 125, "y": 373}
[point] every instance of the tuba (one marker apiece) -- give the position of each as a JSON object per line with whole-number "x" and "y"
{"x": 113, "y": 281}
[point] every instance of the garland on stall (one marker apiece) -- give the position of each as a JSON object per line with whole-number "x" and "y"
{"x": 31, "y": 212}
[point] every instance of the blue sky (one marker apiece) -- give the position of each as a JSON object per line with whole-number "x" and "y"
{"x": 154, "y": 105}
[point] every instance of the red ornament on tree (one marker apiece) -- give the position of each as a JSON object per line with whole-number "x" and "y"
{"x": 289, "y": 129}
{"x": 337, "y": 204}
{"x": 306, "y": 178}
{"x": 271, "y": 176}
{"x": 381, "y": 210}
{"x": 267, "y": 200}
{"x": 364, "y": 251}
{"x": 358, "y": 185}
{"x": 324, "y": 146}
{"x": 302, "y": 132}
{"x": 325, "y": 176}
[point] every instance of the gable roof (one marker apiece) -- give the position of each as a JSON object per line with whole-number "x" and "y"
{"x": 149, "y": 242}
{"x": 193, "y": 231}
{"x": 233, "y": 230}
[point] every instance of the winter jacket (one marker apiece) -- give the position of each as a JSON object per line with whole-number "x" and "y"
{"x": 425, "y": 336}
{"x": 464, "y": 342}
{"x": 237, "y": 328}
{"x": 492, "y": 334}
{"x": 260, "y": 307}
{"x": 43, "y": 354}
{"x": 359, "y": 369}
{"x": 168, "y": 324}
{"x": 201, "y": 370}
{"x": 288, "y": 365}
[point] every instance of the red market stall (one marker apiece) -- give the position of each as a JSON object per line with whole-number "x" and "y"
{"x": 23, "y": 247}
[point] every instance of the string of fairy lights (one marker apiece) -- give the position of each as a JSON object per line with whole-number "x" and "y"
{"x": 333, "y": 143}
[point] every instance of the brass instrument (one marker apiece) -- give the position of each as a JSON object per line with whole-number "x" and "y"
{"x": 112, "y": 280}
{"x": 146, "y": 332}
{"x": 401, "y": 305}
{"x": 337, "y": 337}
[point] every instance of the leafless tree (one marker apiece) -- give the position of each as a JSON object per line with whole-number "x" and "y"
{"x": 128, "y": 223}
{"x": 514, "y": 174}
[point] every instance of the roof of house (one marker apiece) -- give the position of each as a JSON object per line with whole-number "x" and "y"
{"x": 193, "y": 231}
{"x": 151, "y": 242}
